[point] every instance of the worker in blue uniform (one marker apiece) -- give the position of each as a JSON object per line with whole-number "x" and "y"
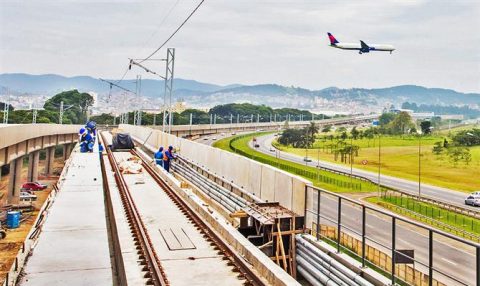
{"x": 158, "y": 157}
{"x": 91, "y": 127}
{"x": 86, "y": 142}
{"x": 167, "y": 157}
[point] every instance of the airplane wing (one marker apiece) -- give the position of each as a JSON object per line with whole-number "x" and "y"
{"x": 364, "y": 46}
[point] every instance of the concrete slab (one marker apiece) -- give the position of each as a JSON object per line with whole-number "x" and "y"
{"x": 73, "y": 246}
{"x": 198, "y": 266}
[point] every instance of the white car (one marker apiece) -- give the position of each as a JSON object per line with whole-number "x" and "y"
{"x": 473, "y": 200}
{"x": 26, "y": 196}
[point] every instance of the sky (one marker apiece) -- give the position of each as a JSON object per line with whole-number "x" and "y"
{"x": 249, "y": 41}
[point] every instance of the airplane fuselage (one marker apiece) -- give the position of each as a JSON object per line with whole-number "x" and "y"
{"x": 358, "y": 47}
{"x": 361, "y": 47}
{"x": 355, "y": 46}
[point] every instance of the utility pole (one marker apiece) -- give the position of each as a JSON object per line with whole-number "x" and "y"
{"x": 154, "y": 119}
{"x": 191, "y": 119}
{"x": 231, "y": 118}
{"x": 168, "y": 89}
{"x": 34, "y": 118}
{"x": 5, "y": 113}
{"x": 215, "y": 119}
{"x": 114, "y": 119}
{"x": 258, "y": 118}
{"x": 238, "y": 118}
{"x": 60, "y": 119}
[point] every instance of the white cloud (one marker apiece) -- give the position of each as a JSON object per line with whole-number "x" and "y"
{"x": 250, "y": 41}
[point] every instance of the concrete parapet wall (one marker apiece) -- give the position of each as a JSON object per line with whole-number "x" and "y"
{"x": 264, "y": 181}
{"x": 262, "y": 265}
{"x": 17, "y": 140}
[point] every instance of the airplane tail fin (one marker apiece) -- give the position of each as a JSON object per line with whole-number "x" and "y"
{"x": 333, "y": 41}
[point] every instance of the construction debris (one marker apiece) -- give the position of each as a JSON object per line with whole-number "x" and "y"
{"x": 132, "y": 165}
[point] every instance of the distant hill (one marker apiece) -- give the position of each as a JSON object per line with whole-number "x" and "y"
{"x": 51, "y": 84}
{"x": 204, "y": 94}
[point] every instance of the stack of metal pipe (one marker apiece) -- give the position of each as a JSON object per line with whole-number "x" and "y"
{"x": 227, "y": 199}
{"x": 318, "y": 268}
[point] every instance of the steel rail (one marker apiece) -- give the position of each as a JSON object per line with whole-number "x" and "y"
{"x": 242, "y": 266}
{"x": 156, "y": 274}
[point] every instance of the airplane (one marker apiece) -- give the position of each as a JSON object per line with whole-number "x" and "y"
{"x": 361, "y": 48}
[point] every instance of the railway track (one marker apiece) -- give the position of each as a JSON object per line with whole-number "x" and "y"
{"x": 234, "y": 260}
{"x": 155, "y": 273}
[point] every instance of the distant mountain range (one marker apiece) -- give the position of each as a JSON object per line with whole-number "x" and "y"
{"x": 205, "y": 94}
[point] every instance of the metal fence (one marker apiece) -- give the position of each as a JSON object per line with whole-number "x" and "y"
{"x": 359, "y": 230}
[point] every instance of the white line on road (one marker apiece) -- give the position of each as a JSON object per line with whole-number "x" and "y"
{"x": 449, "y": 261}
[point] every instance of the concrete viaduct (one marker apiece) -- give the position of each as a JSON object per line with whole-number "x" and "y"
{"x": 205, "y": 129}
{"x": 22, "y": 140}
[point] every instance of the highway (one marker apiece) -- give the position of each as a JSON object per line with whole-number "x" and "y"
{"x": 448, "y": 256}
{"x": 434, "y": 192}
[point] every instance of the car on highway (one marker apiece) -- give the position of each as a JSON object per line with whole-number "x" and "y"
{"x": 273, "y": 150}
{"x": 214, "y": 138}
{"x": 34, "y": 186}
{"x": 205, "y": 138}
{"x": 306, "y": 159}
{"x": 256, "y": 145}
{"x": 233, "y": 133}
{"x": 473, "y": 200}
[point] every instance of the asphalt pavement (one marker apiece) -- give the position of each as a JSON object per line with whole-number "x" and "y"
{"x": 438, "y": 193}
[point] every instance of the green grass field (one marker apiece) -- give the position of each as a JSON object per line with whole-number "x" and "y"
{"x": 323, "y": 179}
{"x": 451, "y": 218}
{"x": 399, "y": 158}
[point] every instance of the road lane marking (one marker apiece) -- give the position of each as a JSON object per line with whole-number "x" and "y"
{"x": 449, "y": 261}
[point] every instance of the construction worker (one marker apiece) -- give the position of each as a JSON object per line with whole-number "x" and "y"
{"x": 167, "y": 157}
{"x": 91, "y": 127}
{"x": 100, "y": 149}
{"x": 86, "y": 142}
{"x": 158, "y": 157}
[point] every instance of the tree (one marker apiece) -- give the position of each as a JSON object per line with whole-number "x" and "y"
{"x": 312, "y": 130}
{"x": 344, "y": 135}
{"x": 437, "y": 148}
{"x": 386, "y": 118}
{"x": 354, "y": 132}
{"x": 426, "y": 127}
{"x": 401, "y": 123}
{"x": 342, "y": 129}
{"x": 327, "y": 128}
{"x": 467, "y": 137}
{"x": 79, "y": 102}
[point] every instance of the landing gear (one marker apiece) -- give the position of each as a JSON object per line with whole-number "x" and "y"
{"x": 360, "y": 52}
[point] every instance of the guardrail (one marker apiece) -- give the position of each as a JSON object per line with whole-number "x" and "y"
{"x": 384, "y": 188}
{"x": 433, "y": 222}
{"x": 292, "y": 169}
{"x": 317, "y": 215}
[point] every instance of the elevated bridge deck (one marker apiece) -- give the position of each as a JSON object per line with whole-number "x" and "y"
{"x": 73, "y": 247}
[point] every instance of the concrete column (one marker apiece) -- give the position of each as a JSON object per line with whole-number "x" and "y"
{"x": 49, "y": 160}
{"x": 33, "y": 159}
{"x": 65, "y": 152}
{"x": 15, "y": 181}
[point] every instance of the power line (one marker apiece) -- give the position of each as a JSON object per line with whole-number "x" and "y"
{"x": 114, "y": 84}
{"x": 160, "y": 25}
{"x": 173, "y": 34}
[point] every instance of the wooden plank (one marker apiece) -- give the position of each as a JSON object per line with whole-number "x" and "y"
{"x": 176, "y": 239}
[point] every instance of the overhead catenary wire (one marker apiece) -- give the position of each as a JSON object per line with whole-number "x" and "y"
{"x": 173, "y": 34}
{"x": 160, "y": 25}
